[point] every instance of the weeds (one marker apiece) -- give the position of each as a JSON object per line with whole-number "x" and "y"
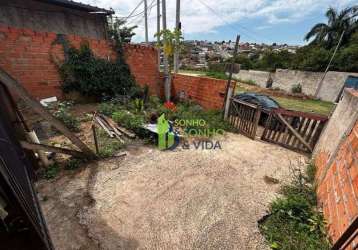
{"x": 73, "y": 163}
{"x": 107, "y": 146}
{"x": 51, "y": 171}
{"x": 63, "y": 114}
{"x": 294, "y": 221}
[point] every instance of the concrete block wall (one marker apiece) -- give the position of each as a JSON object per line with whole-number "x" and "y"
{"x": 32, "y": 58}
{"x": 259, "y": 77}
{"x": 208, "y": 92}
{"x": 336, "y": 159}
{"x": 285, "y": 79}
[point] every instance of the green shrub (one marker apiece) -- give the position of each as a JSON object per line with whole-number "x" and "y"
{"x": 95, "y": 77}
{"x": 107, "y": 146}
{"x": 63, "y": 114}
{"x": 128, "y": 119}
{"x": 108, "y": 108}
{"x": 296, "y": 88}
{"x": 294, "y": 221}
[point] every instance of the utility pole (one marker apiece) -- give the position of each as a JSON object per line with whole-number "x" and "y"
{"x": 227, "y": 96}
{"x": 329, "y": 65}
{"x": 146, "y": 20}
{"x": 177, "y": 27}
{"x": 158, "y": 30}
{"x": 165, "y": 59}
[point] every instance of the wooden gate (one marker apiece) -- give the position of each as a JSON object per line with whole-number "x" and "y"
{"x": 295, "y": 130}
{"x": 244, "y": 117}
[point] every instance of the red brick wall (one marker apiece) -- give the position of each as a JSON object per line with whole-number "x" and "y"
{"x": 143, "y": 62}
{"x": 207, "y": 92}
{"x": 338, "y": 187}
{"x": 29, "y": 57}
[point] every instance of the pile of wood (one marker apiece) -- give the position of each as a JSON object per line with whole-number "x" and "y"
{"x": 112, "y": 128}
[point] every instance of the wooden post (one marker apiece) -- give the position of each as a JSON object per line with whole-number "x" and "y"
{"x": 95, "y": 138}
{"x": 15, "y": 86}
{"x": 230, "y": 72}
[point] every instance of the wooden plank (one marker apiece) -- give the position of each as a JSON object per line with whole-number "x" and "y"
{"x": 302, "y": 114}
{"x": 294, "y": 132}
{"x": 35, "y": 146}
{"x": 15, "y": 86}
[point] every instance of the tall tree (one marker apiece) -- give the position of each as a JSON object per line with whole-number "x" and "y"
{"x": 328, "y": 34}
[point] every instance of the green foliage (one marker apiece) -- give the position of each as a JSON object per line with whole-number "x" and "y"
{"x": 51, "y": 171}
{"x": 217, "y": 75}
{"x": 107, "y": 146}
{"x": 119, "y": 32}
{"x": 328, "y": 35}
{"x": 63, "y": 114}
{"x": 294, "y": 221}
{"x": 73, "y": 163}
{"x": 129, "y": 120}
{"x": 170, "y": 40}
{"x": 107, "y": 108}
{"x": 296, "y": 88}
{"x": 95, "y": 77}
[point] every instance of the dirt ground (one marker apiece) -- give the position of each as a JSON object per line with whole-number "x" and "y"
{"x": 182, "y": 199}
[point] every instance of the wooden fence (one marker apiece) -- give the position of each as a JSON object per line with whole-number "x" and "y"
{"x": 244, "y": 117}
{"x": 295, "y": 130}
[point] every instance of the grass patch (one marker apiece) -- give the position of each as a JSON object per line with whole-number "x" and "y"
{"x": 294, "y": 221}
{"x": 304, "y": 105}
{"x": 217, "y": 75}
{"x": 315, "y": 106}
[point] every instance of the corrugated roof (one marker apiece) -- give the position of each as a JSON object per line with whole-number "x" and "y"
{"x": 78, "y": 6}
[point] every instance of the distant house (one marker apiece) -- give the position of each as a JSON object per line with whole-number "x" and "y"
{"x": 58, "y": 16}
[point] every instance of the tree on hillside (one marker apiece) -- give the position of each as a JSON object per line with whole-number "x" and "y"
{"x": 329, "y": 34}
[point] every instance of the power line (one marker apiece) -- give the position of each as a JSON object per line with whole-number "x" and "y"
{"x": 229, "y": 24}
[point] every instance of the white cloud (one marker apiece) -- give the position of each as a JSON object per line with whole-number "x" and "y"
{"x": 198, "y": 18}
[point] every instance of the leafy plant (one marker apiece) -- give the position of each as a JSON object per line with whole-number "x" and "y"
{"x": 170, "y": 40}
{"x": 73, "y": 163}
{"x": 107, "y": 146}
{"x": 95, "y": 77}
{"x": 51, "y": 171}
{"x": 294, "y": 221}
{"x": 296, "y": 88}
{"x": 63, "y": 114}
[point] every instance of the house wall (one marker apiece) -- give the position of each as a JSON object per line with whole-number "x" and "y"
{"x": 285, "y": 79}
{"x": 32, "y": 58}
{"x": 336, "y": 160}
{"x": 45, "y": 17}
{"x": 208, "y": 92}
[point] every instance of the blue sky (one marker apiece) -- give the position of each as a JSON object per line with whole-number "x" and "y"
{"x": 268, "y": 21}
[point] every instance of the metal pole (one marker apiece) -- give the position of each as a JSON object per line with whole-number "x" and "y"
{"x": 230, "y": 73}
{"x": 146, "y": 20}
{"x": 329, "y": 65}
{"x": 177, "y": 27}
{"x": 158, "y": 30}
{"x": 165, "y": 59}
